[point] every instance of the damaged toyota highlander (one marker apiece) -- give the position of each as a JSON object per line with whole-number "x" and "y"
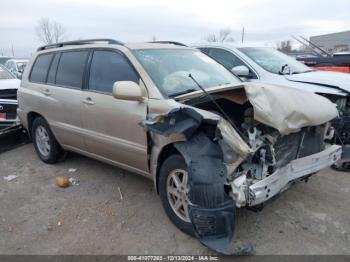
{"x": 210, "y": 142}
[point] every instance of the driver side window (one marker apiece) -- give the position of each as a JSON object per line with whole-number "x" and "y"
{"x": 226, "y": 58}
{"x": 108, "y": 67}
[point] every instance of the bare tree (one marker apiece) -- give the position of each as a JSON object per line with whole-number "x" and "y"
{"x": 49, "y": 31}
{"x": 222, "y": 36}
{"x": 285, "y": 46}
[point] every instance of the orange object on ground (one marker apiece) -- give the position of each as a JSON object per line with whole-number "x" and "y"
{"x": 342, "y": 69}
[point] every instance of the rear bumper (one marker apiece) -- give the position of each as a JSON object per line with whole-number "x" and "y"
{"x": 9, "y": 123}
{"x": 283, "y": 178}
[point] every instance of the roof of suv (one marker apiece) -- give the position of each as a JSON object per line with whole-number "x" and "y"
{"x": 110, "y": 43}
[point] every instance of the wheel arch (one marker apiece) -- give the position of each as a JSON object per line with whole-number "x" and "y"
{"x": 165, "y": 152}
{"x": 30, "y": 119}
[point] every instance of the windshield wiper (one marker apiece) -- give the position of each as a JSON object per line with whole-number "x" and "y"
{"x": 183, "y": 92}
{"x": 306, "y": 71}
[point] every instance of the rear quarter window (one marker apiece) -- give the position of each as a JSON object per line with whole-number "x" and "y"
{"x": 40, "y": 68}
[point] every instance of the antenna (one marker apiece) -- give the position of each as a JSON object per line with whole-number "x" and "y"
{"x": 217, "y": 105}
{"x": 13, "y": 53}
{"x": 307, "y": 46}
{"x": 315, "y": 46}
{"x": 243, "y": 34}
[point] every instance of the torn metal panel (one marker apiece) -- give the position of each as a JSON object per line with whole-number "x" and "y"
{"x": 233, "y": 139}
{"x": 179, "y": 120}
{"x": 211, "y": 209}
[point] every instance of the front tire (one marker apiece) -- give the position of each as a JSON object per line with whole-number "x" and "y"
{"x": 45, "y": 143}
{"x": 174, "y": 191}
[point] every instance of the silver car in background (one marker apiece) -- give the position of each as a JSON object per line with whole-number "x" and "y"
{"x": 267, "y": 65}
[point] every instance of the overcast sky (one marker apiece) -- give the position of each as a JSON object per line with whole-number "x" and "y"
{"x": 265, "y": 21}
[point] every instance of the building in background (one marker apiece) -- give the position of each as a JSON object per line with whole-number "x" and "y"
{"x": 332, "y": 43}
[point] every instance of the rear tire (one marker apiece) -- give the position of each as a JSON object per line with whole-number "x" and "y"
{"x": 175, "y": 166}
{"x": 45, "y": 143}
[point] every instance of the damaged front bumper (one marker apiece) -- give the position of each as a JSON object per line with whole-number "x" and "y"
{"x": 283, "y": 178}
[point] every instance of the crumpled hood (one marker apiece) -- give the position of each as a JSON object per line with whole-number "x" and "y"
{"x": 9, "y": 84}
{"x": 332, "y": 79}
{"x": 286, "y": 109}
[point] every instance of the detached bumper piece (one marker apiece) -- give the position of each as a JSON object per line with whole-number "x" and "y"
{"x": 214, "y": 227}
{"x": 212, "y": 211}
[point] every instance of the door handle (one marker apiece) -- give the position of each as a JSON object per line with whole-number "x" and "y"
{"x": 47, "y": 92}
{"x": 88, "y": 101}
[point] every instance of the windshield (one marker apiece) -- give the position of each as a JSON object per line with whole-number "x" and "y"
{"x": 170, "y": 69}
{"x": 274, "y": 61}
{"x": 4, "y": 74}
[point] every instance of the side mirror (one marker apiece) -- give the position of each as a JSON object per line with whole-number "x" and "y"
{"x": 241, "y": 71}
{"x": 127, "y": 90}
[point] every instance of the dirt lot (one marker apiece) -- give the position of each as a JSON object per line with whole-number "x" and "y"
{"x": 37, "y": 217}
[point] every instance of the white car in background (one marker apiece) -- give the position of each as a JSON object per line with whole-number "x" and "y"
{"x": 9, "y": 85}
{"x": 267, "y": 65}
{"x": 16, "y": 66}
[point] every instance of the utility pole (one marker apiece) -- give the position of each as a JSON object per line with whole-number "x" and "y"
{"x": 242, "y": 34}
{"x": 13, "y": 53}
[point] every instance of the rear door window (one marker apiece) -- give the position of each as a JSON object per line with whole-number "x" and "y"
{"x": 108, "y": 67}
{"x": 70, "y": 69}
{"x": 40, "y": 68}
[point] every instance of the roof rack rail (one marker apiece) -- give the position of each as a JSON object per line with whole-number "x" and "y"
{"x": 81, "y": 42}
{"x": 168, "y": 42}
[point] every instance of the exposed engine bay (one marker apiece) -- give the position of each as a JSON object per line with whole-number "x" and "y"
{"x": 244, "y": 148}
{"x": 271, "y": 149}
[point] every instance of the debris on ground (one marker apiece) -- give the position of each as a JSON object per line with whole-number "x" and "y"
{"x": 62, "y": 181}
{"x": 120, "y": 225}
{"x": 10, "y": 177}
{"x": 73, "y": 181}
{"x": 59, "y": 223}
{"x": 244, "y": 250}
{"x": 120, "y": 193}
{"x": 72, "y": 170}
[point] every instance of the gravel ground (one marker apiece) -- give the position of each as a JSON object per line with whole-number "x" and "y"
{"x": 37, "y": 217}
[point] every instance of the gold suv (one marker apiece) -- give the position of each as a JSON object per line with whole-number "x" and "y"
{"x": 210, "y": 142}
